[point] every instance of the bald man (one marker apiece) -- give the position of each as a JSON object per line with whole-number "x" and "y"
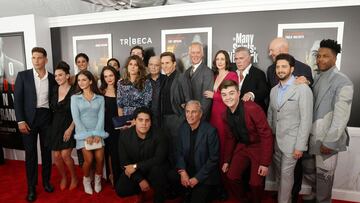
{"x": 156, "y": 79}
{"x": 302, "y": 71}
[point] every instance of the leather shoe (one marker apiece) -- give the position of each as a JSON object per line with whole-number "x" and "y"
{"x": 31, "y": 195}
{"x": 48, "y": 187}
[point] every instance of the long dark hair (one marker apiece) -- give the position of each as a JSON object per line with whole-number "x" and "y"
{"x": 139, "y": 82}
{"x": 91, "y": 77}
{"x": 227, "y": 61}
{"x": 104, "y": 85}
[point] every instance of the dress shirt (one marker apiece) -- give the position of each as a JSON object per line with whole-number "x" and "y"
{"x": 244, "y": 74}
{"x": 195, "y": 66}
{"x": 283, "y": 88}
{"x": 166, "y": 95}
{"x": 191, "y": 169}
{"x": 42, "y": 90}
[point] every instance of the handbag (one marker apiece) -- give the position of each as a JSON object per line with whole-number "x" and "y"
{"x": 120, "y": 121}
{"x": 93, "y": 145}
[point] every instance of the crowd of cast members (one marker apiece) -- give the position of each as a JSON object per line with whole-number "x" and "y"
{"x": 203, "y": 134}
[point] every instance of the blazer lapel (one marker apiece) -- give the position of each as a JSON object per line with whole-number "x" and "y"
{"x": 322, "y": 93}
{"x": 290, "y": 92}
{"x": 30, "y": 78}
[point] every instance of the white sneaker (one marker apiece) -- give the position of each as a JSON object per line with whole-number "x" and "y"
{"x": 87, "y": 185}
{"x": 97, "y": 184}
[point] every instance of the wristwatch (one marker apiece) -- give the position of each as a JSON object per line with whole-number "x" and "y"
{"x": 135, "y": 166}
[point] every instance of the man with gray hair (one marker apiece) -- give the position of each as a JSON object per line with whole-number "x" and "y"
{"x": 197, "y": 155}
{"x": 199, "y": 78}
{"x": 252, "y": 80}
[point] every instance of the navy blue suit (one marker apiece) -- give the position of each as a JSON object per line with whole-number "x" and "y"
{"x": 38, "y": 119}
{"x": 200, "y": 160}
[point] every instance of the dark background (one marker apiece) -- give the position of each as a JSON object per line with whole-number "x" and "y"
{"x": 263, "y": 24}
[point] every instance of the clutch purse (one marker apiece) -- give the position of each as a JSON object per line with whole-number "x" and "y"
{"x": 120, "y": 121}
{"x": 93, "y": 145}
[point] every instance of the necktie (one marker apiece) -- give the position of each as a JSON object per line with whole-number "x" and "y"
{"x": 192, "y": 71}
{"x": 241, "y": 77}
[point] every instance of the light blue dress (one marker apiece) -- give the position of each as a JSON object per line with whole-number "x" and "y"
{"x": 88, "y": 117}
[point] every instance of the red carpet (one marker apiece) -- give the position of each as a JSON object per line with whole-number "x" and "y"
{"x": 13, "y": 188}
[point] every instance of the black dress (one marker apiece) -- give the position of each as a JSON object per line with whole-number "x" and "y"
{"x": 111, "y": 141}
{"x": 61, "y": 120}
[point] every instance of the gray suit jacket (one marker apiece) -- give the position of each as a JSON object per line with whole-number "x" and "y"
{"x": 333, "y": 93}
{"x": 291, "y": 121}
{"x": 195, "y": 86}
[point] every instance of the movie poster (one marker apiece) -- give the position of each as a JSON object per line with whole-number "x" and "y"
{"x": 12, "y": 60}
{"x": 304, "y": 39}
{"x": 178, "y": 41}
{"x": 97, "y": 47}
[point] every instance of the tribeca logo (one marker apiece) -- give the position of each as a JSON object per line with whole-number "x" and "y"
{"x": 130, "y": 41}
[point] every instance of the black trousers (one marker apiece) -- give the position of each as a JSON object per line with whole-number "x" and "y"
{"x": 200, "y": 193}
{"x": 125, "y": 186}
{"x": 39, "y": 127}
{"x": 171, "y": 123}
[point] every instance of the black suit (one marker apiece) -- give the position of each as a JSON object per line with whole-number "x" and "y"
{"x": 205, "y": 157}
{"x": 38, "y": 119}
{"x": 255, "y": 82}
{"x": 300, "y": 69}
{"x": 150, "y": 156}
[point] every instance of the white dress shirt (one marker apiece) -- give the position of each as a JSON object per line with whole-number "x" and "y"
{"x": 42, "y": 90}
{"x": 244, "y": 74}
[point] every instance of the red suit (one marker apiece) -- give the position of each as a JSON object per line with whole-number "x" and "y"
{"x": 218, "y": 115}
{"x": 258, "y": 151}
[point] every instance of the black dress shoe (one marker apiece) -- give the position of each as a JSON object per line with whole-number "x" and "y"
{"x": 31, "y": 195}
{"x": 48, "y": 188}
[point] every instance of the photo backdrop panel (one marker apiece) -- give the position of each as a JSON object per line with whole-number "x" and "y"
{"x": 252, "y": 29}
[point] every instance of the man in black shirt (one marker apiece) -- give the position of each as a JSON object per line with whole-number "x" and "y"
{"x": 156, "y": 79}
{"x": 172, "y": 100}
{"x": 142, "y": 154}
{"x": 197, "y": 156}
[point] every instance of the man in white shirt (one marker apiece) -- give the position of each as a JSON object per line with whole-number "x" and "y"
{"x": 33, "y": 90}
{"x": 252, "y": 80}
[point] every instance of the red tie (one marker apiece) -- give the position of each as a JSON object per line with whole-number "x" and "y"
{"x": 241, "y": 77}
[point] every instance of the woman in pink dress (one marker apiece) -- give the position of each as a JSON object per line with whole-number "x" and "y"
{"x": 221, "y": 65}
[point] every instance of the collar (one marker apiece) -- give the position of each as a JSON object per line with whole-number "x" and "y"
{"x": 288, "y": 83}
{"x": 36, "y": 75}
{"x": 196, "y": 65}
{"x": 246, "y": 70}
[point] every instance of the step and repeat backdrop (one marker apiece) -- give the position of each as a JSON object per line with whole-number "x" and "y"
{"x": 304, "y": 28}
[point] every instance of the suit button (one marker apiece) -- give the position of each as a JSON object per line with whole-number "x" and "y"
{"x": 278, "y": 110}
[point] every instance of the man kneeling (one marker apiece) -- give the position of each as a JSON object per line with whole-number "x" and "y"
{"x": 142, "y": 154}
{"x": 197, "y": 156}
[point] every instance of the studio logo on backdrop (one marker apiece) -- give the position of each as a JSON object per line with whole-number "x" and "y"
{"x": 244, "y": 40}
{"x": 132, "y": 41}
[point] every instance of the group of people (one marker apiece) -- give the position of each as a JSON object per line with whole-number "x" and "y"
{"x": 190, "y": 133}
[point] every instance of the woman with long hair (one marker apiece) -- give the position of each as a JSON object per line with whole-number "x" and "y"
{"x": 221, "y": 65}
{"x": 134, "y": 90}
{"x": 88, "y": 111}
{"x": 109, "y": 78}
{"x": 61, "y": 130}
